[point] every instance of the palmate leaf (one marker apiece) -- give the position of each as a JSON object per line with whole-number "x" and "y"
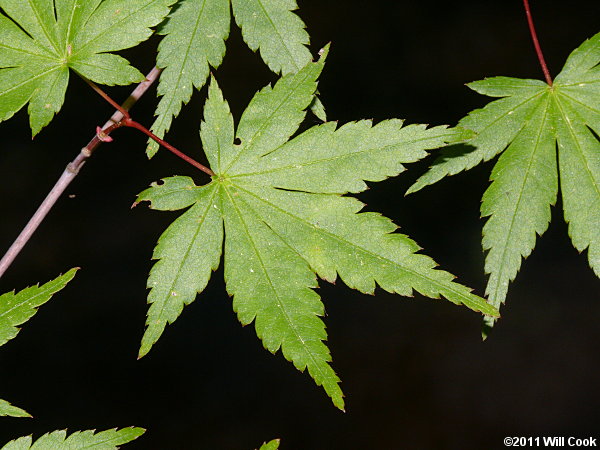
{"x": 58, "y": 440}
{"x": 526, "y": 125}
{"x": 280, "y": 204}
{"x": 41, "y": 39}
{"x": 195, "y": 36}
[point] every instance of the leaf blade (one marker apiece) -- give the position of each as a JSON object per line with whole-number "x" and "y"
{"x": 6, "y": 409}
{"x": 273, "y": 287}
{"x": 271, "y": 27}
{"x": 103, "y": 440}
{"x": 187, "y": 253}
{"x": 273, "y": 115}
{"x": 329, "y": 160}
{"x": 16, "y": 309}
{"x": 579, "y": 168}
{"x": 524, "y": 186}
{"x": 361, "y": 248}
{"x": 195, "y": 36}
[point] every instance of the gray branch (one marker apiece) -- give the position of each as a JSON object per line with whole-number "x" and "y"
{"x": 69, "y": 174}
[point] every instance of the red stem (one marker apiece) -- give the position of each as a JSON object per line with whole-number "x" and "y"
{"x": 128, "y": 122}
{"x": 536, "y": 43}
{"x": 106, "y": 97}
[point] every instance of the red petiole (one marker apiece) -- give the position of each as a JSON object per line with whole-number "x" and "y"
{"x": 127, "y": 121}
{"x": 536, "y": 43}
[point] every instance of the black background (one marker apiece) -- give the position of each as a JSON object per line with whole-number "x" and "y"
{"x": 415, "y": 372}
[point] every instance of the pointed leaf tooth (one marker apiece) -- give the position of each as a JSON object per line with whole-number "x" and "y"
{"x": 6, "y": 409}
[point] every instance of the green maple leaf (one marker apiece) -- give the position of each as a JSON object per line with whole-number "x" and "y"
{"x": 194, "y": 41}
{"x": 6, "y": 409}
{"x": 526, "y": 125}
{"x": 279, "y": 203}
{"x": 41, "y": 39}
{"x": 16, "y": 309}
{"x": 58, "y": 440}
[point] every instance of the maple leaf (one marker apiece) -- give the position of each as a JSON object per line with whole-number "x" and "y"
{"x": 195, "y": 35}
{"x": 279, "y": 204}
{"x": 526, "y": 125}
{"x": 41, "y": 40}
{"x": 58, "y": 440}
{"x": 16, "y": 309}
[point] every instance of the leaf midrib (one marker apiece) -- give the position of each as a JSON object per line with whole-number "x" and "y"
{"x": 30, "y": 80}
{"x": 29, "y": 300}
{"x": 498, "y": 278}
{"x": 187, "y": 252}
{"x": 43, "y": 27}
{"x": 250, "y": 141}
{"x": 572, "y": 132}
{"x": 165, "y": 116}
{"x": 289, "y": 52}
{"x": 108, "y": 30}
{"x": 279, "y": 303}
{"x": 333, "y": 158}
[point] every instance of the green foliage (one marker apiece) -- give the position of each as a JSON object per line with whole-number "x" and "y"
{"x": 272, "y": 445}
{"x": 526, "y": 125}
{"x": 195, "y": 35}
{"x": 42, "y": 39}
{"x": 16, "y": 309}
{"x": 58, "y": 440}
{"x": 6, "y": 409}
{"x": 271, "y": 27}
{"x": 280, "y": 203}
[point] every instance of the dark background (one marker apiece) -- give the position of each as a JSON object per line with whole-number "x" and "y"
{"x": 415, "y": 372}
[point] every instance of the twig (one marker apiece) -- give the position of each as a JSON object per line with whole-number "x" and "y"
{"x": 71, "y": 172}
{"x": 536, "y": 43}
